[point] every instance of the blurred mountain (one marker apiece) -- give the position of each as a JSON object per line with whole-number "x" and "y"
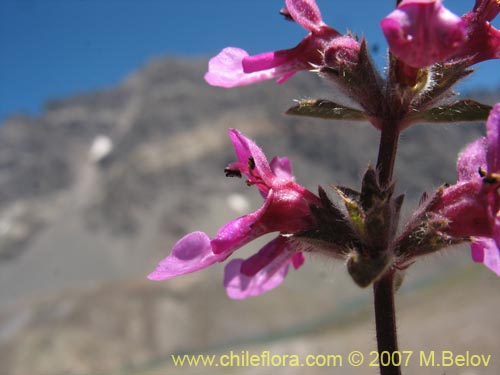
{"x": 99, "y": 187}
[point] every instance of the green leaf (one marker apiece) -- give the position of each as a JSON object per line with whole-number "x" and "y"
{"x": 325, "y": 109}
{"x": 459, "y": 111}
{"x": 353, "y": 207}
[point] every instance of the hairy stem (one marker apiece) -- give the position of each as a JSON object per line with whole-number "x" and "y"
{"x": 385, "y": 321}
{"x": 387, "y": 152}
{"x": 383, "y": 289}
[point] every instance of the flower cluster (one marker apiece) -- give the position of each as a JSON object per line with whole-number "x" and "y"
{"x": 425, "y": 39}
{"x": 424, "y": 32}
{"x": 473, "y": 204}
{"x": 286, "y": 210}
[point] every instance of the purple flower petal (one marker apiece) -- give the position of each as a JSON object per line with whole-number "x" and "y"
{"x": 191, "y": 253}
{"x": 493, "y": 137}
{"x": 245, "y": 149}
{"x": 239, "y": 286}
{"x": 477, "y": 249}
{"x": 423, "y": 32}
{"x": 266, "y": 60}
{"x": 306, "y": 13}
{"x": 485, "y": 250}
{"x": 282, "y": 168}
{"x": 483, "y": 40}
{"x": 471, "y": 159}
{"x": 465, "y": 206}
{"x": 285, "y": 77}
{"x": 263, "y": 271}
{"x": 240, "y": 231}
{"x": 226, "y": 70}
{"x": 281, "y": 64}
{"x": 277, "y": 251}
{"x": 298, "y": 260}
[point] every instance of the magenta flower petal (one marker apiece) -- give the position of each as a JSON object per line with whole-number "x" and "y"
{"x": 484, "y": 152}
{"x": 270, "y": 253}
{"x": 283, "y": 63}
{"x": 285, "y": 210}
{"x": 264, "y": 61}
{"x": 496, "y": 229}
{"x": 465, "y": 206}
{"x": 240, "y": 231}
{"x": 282, "y": 168}
{"x": 298, "y": 260}
{"x": 246, "y": 149}
{"x": 285, "y": 77}
{"x": 493, "y": 136}
{"x": 477, "y": 249}
{"x": 423, "y": 32}
{"x": 261, "y": 272}
{"x": 306, "y": 13}
{"x": 485, "y": 250}
{"x": 191, "y": 253}
{"x": 483, "y": 40}
{"x": 472, "y": 206}
{"x": 239, "y": 286}
{"x": 471, "y": 159}
{"x": 226, "y": 70}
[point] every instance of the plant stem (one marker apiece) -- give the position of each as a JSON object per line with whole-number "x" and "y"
{"x": 385, "y": 321}
{"x": 387, "y": 152}
{"x": 383, "y": 289}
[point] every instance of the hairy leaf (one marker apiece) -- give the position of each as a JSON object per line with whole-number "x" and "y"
{"x": 325, "y": 109}
{"x": 459, "y": 111}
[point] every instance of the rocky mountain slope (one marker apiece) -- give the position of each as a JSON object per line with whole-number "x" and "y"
{"x": 97, "y": 189}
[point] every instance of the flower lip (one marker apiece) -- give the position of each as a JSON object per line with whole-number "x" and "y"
{"x": 226, "y": 70}
{"x": 306, "y": 13}
{"x": 493, "y": 137}
{"x": 423, "y": 32}
{"x": 251, "y": 161}
{"x": 191, "y": 253}
{"x": 264, "y": 270}
{"x": 486, "y": 251}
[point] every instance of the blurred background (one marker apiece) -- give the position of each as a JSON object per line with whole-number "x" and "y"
{"x": 112, "y": 147}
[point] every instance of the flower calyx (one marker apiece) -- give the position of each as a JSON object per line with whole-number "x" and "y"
{"x": 363, "y": 233}
{"x": 426, "y": 232}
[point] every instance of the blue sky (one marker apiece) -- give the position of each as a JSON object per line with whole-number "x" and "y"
{"x": 55, "y": 48}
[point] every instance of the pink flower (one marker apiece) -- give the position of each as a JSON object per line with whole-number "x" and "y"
{"x": 286, "y": 210}
{"x": 473, "y": 204}
{"x": 483, "y": 40}
{"x": 423, "y": 32}
{"x": 262, "y": 271}
{"x": 234, "y": 67}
